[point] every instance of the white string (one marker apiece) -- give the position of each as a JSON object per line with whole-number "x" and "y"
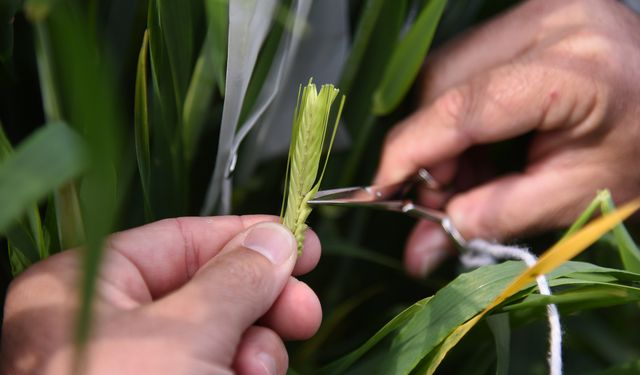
{"x": 482, "y": 252}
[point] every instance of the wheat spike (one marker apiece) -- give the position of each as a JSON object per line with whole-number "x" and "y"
{"x": 310, "y": 124}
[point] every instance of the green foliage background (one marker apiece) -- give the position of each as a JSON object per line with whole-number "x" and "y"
{"x": 116, "y": 113}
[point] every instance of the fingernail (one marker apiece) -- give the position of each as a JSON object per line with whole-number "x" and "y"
{"x": 267, "y": 362}
{"x": 273, "y": 241}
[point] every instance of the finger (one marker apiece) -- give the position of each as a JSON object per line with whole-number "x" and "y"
{"x": 506, "y": 102}
{"x": 296, "y": 314}
{"x": 524, "y": 203}
{"x": 261, "y": 352}
{"x": 310, "y": 256}
{"x": 235, "y": 288}
{"x": 427, "y": 247}
{"x": 481, "y": 48}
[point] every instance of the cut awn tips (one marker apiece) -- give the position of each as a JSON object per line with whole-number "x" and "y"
{"x": 308, "y": 137}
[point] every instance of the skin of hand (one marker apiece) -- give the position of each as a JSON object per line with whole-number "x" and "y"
{"x": 178, "y": 296}
{"x": 565, "y": 71}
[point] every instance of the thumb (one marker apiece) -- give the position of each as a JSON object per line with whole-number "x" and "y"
{"x": 239, "y": 285}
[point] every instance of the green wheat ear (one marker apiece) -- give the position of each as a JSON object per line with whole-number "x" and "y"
{"x": 310, "y": 122}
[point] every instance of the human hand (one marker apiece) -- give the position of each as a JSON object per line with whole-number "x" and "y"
{"x": 179, "y": 296}
{"x": 564, "y": 70}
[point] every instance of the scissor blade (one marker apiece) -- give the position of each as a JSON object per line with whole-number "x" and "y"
{"x": 356, "y": 194}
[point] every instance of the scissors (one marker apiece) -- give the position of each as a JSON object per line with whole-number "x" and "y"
{"x": 393, "y": 197}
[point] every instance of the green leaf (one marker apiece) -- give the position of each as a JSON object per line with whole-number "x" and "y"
{"x": 501, "y": 330}
{"x": 361, "y": 41}
{"x": 70, "y": 229}
{"x": 407, "y": 58}
{"x": 8, "y": 9}
{"x": 207, "y": 75}
{"x": 585, "y": 215}
{"x": 22, "y": 245}
{"x": 358, "y": 117}
{"x": 26, "y": 240}
{"x": 141, "y": 123}
{"x": 48, "y": 86}
{"x": 590, "y": 296}
{"x": 90, "y": 94}
{"x": 53, "y": 155}
{"x": 218, "y": 18}
{"x": 629, "y": 251}
{"x": 177, "y": 22}
{"x": 167, "y": 181}
{"x": 18, "y": 260}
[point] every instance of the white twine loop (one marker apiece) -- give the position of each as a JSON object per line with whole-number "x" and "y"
{"x": 480, "y": 252}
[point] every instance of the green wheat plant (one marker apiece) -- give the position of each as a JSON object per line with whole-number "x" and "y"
{"x": 310, "y": 123}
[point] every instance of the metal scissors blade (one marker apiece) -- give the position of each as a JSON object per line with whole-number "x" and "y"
{"x": 391, "y": 197}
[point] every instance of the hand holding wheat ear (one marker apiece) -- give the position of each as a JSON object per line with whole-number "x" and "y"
{"x": 310, "y": 122}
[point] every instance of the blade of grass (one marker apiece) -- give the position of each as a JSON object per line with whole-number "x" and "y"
{"x": 45, "y": 59}
{"x": 47, "y": 159}
{"x": 71, "y": 231}
{"x": 207, "y": 75}
{"x": 628, "y": 249}
{"x": 358, "y": 117}
{"x": 177, "y": 23}
{"x": 218, "y": 17}
{"x": 593, "y": 295}
{"x": 167, "y": 180}
{"x": 361, "y": 41}
{"x": 407, "y": 58}
{"x": 89, "y": 90}
{"x": 249, "y": 22}
{"x": 141, "y": 124}
{"x": 501, "y": 331}
{"x": 586, "y": 215}
{"x": 69, "y": 218}
{"x": 23, "y": 248}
